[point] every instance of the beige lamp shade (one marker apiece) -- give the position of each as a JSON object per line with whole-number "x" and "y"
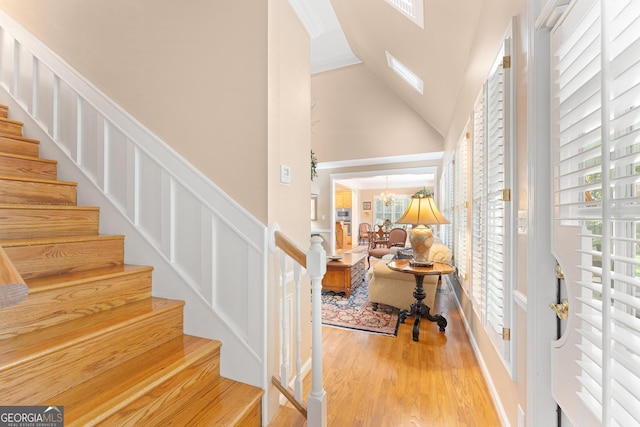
{"x": 422, "y": 211}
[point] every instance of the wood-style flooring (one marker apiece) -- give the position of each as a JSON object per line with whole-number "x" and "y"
{"x": 374, "y": 380}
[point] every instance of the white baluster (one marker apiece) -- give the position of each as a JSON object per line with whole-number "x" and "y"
{"x": 316, "y": 268}
{"x": 298, "y": 383}
{"x": 284, "y": 368}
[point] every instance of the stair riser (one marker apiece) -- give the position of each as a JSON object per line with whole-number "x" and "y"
{"x": 55, "y": 371}
{"x": 47, "y": 260}
{"x": 155, "y": 403}
{"x": 10, "y": 127}
{"x": 36, "y": 223}
{"x": 23, "y": 192}
{"x": 15, "y": 146}
{"x": 73, "y": 302}
{"x": 27, "y": 168}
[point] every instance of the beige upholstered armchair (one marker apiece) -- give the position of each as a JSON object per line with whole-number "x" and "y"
{"x": 396, "y": 289}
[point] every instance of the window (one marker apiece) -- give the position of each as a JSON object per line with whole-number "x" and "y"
{"x": 412, "y": 9}
{"x": 460, "y": 208}
{"x": 596, "y": 142}
{"x": 495, "y": 208}
{"x": 446, "y": 190}
{"x": 393, "y": 211}
{"x": 478, "y": 178}
{"x": 491, "y": 237}
{"x": 404, "y": 72}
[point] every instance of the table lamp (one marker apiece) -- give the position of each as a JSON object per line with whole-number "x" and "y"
{"x": 422, "y": 211}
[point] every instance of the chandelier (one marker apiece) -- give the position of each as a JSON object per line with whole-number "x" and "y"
{"x": 386, "y": 196}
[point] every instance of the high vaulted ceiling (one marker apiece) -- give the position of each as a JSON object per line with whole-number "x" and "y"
{"x": 344, "y": 32}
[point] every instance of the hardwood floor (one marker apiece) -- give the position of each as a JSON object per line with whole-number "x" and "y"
{"x": 374, "y": 380}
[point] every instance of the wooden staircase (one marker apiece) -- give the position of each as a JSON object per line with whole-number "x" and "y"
{"x": 89, "y": 336}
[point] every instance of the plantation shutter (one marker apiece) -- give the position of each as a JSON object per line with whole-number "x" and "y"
{"x": 446, "y": 189}
{"x": 460, "y": 210}
{"x": 596, "y": 100}
{"x": 624, "y": 146}
{"x": 496, "y": 183}
{"x": 478, "y": 206}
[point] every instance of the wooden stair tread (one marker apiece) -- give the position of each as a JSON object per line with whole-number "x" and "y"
{"x": 34, "y": 207}
{"x": 18, "y": 349}
{"x": 215, "y": 401}
{"x": 8, "y": 120}
{"x": 10, "y": 243}
{"x": 18, "y": 138}
{"x": 113, "y": 389}
{"x": 75, "y": 295}
{"x": 47, "y": 220}
{"x": 36, "y": 180}
{"x": 226, "y": 403}
{"x": 31, "y": 158}
{"x": 41, "y": 284}
{"x": 10, "y": 126}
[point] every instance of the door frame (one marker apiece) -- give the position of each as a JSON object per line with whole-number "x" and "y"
{"x": 541, "y": 279}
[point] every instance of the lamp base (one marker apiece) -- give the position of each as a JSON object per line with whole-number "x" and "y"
{"x": 421, "y": 238}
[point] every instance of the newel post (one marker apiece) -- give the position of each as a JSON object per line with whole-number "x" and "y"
{"x": 316, "y": 268}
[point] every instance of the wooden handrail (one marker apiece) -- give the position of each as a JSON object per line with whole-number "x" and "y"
{"x": 291, "y": 249}
{"x": 289, "y": 395}
{"x": 13, "y": 289}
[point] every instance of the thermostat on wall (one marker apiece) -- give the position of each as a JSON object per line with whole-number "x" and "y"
{"x": 285, "y": 174}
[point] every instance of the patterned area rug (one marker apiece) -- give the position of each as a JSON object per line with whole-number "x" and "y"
{"x": 357, "y": 313}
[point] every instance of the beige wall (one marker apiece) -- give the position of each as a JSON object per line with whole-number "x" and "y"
{"x": 357, "y": 117}
{"x": 288, "y": 144}
{"x": 193, "y": 73}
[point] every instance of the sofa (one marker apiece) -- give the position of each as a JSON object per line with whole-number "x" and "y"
{"x": 396, "y": 289}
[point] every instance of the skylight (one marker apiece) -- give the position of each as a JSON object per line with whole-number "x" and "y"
{"x": 412, "y": 9}
{"x": 402, "y": 70}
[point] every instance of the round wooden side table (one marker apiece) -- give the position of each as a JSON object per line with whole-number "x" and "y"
{"x": 419, "y": 308}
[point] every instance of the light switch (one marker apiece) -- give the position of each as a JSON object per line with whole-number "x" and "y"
{"x": 522, "y": 221}
{"x": 285, "y": 174}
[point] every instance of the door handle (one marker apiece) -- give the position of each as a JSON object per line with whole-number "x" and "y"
{"x": 561, "y": 309}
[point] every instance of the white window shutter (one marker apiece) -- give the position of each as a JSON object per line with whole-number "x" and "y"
{"x": 478, "y": 206}
{"x": 460, "y": 203}
{"x": 446, "y": 190}
{"x": 496, "y": 211}
{"x": 596, "y": 108}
